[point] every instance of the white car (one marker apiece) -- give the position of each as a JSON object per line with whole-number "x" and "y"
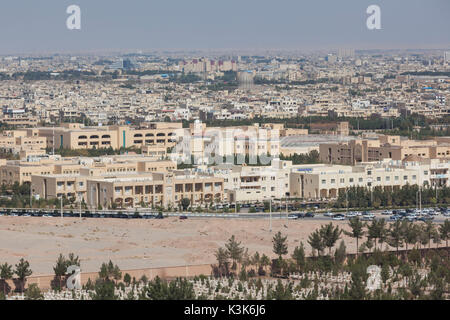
{"x": 328, "y": 214}
{"x": 351, "y": 214}
{"x": 339, "y": 217}
{"x": 386, "y": 212}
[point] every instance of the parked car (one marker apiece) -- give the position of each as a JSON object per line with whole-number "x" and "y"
{"x": 328, "y": 214}
{"x": 386, "y": 212}
{"x": 411, "y": 217}
{"x": 395, "y": 217}
{"x": 367, "y": 216}
{"x": 183, "y": 217}
{"x": 309, "y": 215}
{"x": 351, "y": 214}
{"x": 426, "y": 218}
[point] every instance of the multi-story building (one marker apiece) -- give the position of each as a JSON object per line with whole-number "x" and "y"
{"x": 255, "y": 183}
{"x": 325, "y": 181}
{"x": 76, "y": 136}
{"x": 155, "y": 189}
{"x": 382, "y": 147}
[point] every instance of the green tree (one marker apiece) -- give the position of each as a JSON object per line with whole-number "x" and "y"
{"x": 385, "y": 273}
{"x": 60, "y": 269}
{"x": 280, "y": 292}
{"x": 395, "y": 235}
{"x": 6, "y": 273}
{"x": 357, "y": 289}
{"x": 299, "y": 256}
{"x": 127, "y": 279}
{"x": 316, "y": 242}
{"x": 330, "y": 235}
{"x": 23, "y": 271}
{"x": 179, "y": 289}
{"x": 377, "y": 231}
{"x": 280, "y": 246}
{"x": 33, "y": 292}
{"x": 104, "y": 289}
{"x": 357, "y": 231}
{"x": 429, "y": 230}
{"x": 340, "y": 254}
{"x": 185, "y": 202}
{"x": 222, "y": 256}
{"x": 444, "y": 230}
{"x": 235, "y": 251}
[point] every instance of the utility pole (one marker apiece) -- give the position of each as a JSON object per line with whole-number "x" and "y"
{"x": 270, "y": 217}
{"x": 31, "y": 195}
{"x": 61, "y": 207}
{"x": 286, "y": 208}
{"x": 79, "y": 198}
{"x": 420, "y": 200}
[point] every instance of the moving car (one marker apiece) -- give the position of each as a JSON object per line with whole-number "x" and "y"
{"x": 309, "y": 215}
{"x": 183, "y": 217}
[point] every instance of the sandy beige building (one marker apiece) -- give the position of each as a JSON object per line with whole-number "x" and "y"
{"x": 76, "y": 136}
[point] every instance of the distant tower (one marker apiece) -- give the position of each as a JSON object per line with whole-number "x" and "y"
{"x": 447, "y": 57}
{"x": 245, "y": 80}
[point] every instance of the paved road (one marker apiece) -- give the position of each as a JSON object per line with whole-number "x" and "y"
{"x": 275, "y": 215}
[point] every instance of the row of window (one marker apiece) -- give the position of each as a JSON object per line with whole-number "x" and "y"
{"x": 378, "y": 179}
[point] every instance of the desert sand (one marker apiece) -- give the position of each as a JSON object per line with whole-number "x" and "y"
{"x": 141, "y": 243}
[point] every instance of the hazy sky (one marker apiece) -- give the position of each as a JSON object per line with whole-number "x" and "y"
{"x": 34, "y": 26}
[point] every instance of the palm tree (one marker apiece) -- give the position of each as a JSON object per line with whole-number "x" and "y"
{"x": 444, "y": 230}
{"x": 23, "y": 271}
{"x": 357, "y": 231}
{"x": 6, "y": 274}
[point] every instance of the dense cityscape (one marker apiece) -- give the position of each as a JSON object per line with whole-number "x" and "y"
{"x": 225, "y": 174}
